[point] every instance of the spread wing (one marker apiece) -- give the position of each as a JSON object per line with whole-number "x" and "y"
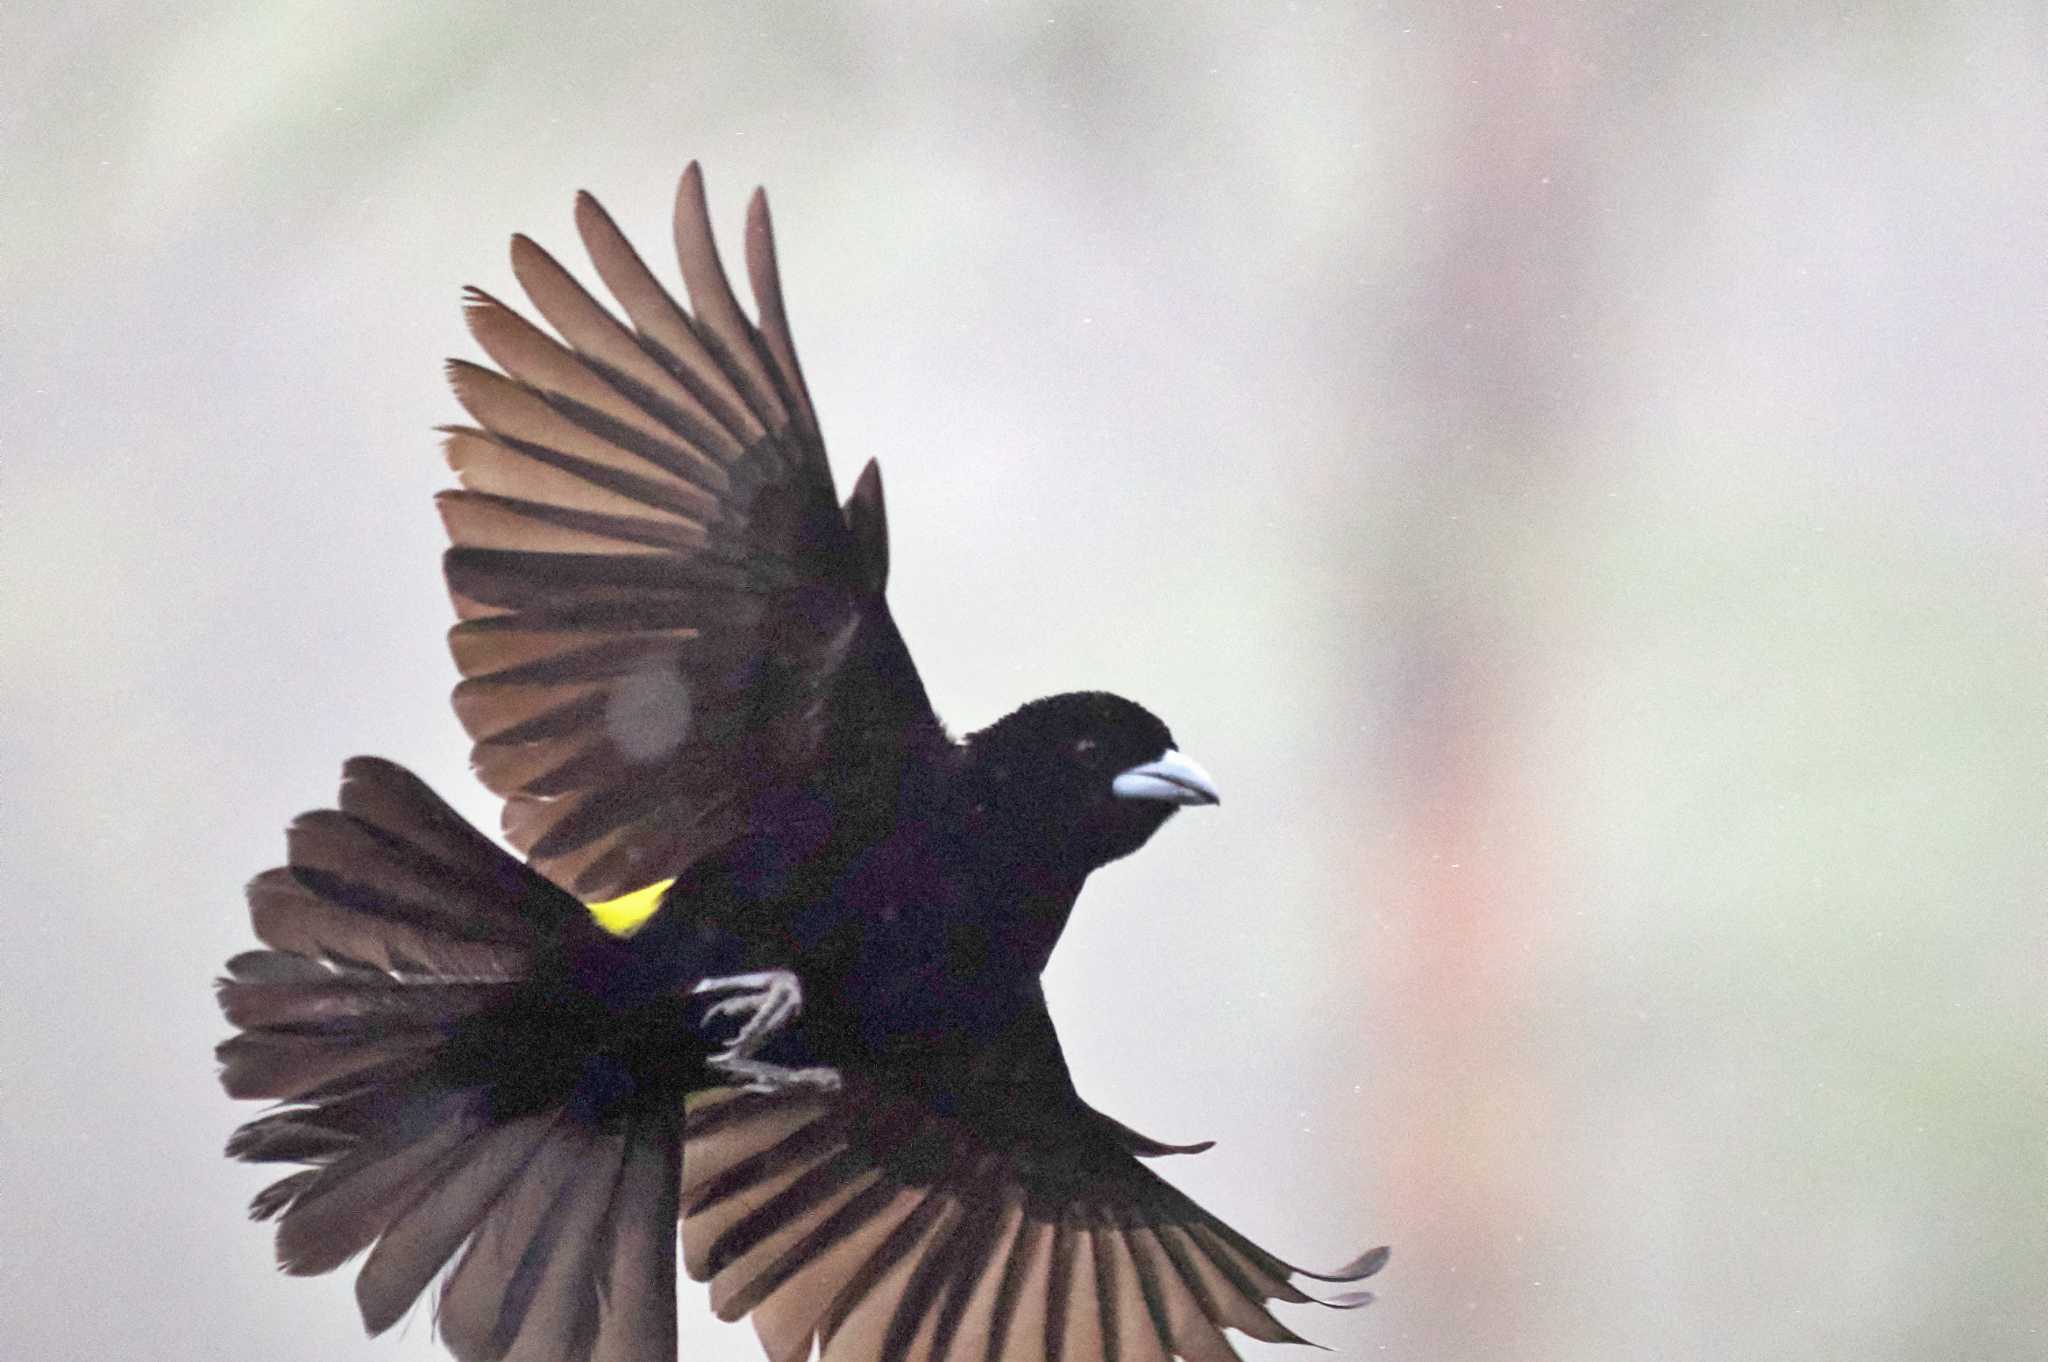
{"x": 978, "y": 1212}
{"x": 664, "y": 612}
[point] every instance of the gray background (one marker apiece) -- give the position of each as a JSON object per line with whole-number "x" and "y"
{"x": 1574, "y": 473}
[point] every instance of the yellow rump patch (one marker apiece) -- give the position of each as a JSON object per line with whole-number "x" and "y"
{"x": 627, "y": 913}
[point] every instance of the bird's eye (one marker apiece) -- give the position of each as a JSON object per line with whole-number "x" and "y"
{"x": 1083, "y": 746}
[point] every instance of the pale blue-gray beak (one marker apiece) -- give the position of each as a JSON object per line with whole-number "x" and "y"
{"x": 1175, "y": 778}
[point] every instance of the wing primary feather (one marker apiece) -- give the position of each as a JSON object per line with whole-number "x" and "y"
{"x": 350, "y": 1005}
{"x": 1101, "y": 1241}
{"x": 1020, "y": 1298}
{"x": 1146, "y": 1331}
{"x": 976, "y": 1256}
{"x": 765, "y": 279}
{"x": 1226, "y": 1297}
{"x": 1178, "y": 1313}
{"x": 586, "y": 383}
{"x": 886, "y": 1255}
{"x": 937, "y": 1266}
{"x": 865, "y": 1206}
{"x": 485, "y": 520}
{"x": 724, "y": 329}
{"x": 484, "y": 462}
{"x": 525, "y": 419}
{"x": 723, "y": 1135}
{"x": 595, "y": 332}
{"x": 815, "y": 1187}
{"x": 1266, "y": 1267}
{"x": 1259, "y": 1273}
{"x": 1246, "y": 1263}
{"x": 786, "y": 1318}
{"x": 1085, "y": 1341}
{"x": 1365, "y": 1265}
{"x": 1357, "y": 1270}
{"x": 505, "y": 663}
{"x": 662, "y": 323}
{"x": 757, "y": 1168}
{"x": 859, "y": 1336}
{"x": 1059, "y": 1289}
{"x": 292, "y": 918}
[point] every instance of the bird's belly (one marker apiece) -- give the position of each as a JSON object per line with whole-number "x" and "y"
{"x": 898, "y": 983}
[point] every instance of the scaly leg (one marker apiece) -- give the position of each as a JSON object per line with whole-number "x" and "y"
{"x": 769, "y": 1000}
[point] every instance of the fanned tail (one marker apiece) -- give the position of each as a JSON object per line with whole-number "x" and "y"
{"x": 449, "y": 1107}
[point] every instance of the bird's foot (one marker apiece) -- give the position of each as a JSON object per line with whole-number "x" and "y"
{"x": 760, "y": 1076}
{"x": 769, "y": 1000}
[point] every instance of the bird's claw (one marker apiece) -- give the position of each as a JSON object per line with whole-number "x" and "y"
{"x": 769, "y": 1000}
{"x": 745, "y": 1002}
{"x": 760, "y": 1076}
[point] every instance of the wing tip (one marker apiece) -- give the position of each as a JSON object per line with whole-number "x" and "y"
{"x": 529, "y": 260}
{"x": 479, "y": 307}
{"x": 1357, "y": 1270}
{"x": 592, "y": 217}
{"x": 366, "y": 769}
{"x": 691, "y": 201}
{"x": 867, "y": 518}
{"x": 462, "y": 374}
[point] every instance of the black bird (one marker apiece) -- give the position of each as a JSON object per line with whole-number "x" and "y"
{"x": 745, "y": 822}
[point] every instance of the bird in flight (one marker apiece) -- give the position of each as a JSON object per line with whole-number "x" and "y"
{"x": 767, "y": 983}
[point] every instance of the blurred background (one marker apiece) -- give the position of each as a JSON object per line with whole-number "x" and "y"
{"x": 1573, "y": 472}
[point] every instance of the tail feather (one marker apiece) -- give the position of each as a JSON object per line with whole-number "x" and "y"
{"x": 636, "y": 1279}
{"x": 337, "y": 1006}
{"x": 392, "y": 1013}
{"x": 421, "y": 1238}
{"x": 556, "y": 1284}
{"x": 488, "y": 1297}
{"x": 270, "y": 1203}
{"x": 285, "y": 1138}
{"x": 344, "y": 1209}
{"x": 388, "y": 797}
{"x": 260, "y": 1064}
{"x": 297, "y": 920}
{"x": 360, "y": 866}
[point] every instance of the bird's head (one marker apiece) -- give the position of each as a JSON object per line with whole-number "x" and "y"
{"x": 1086, "y": 776}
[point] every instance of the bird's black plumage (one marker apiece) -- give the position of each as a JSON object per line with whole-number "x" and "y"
{"x": 679, "y": 666}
